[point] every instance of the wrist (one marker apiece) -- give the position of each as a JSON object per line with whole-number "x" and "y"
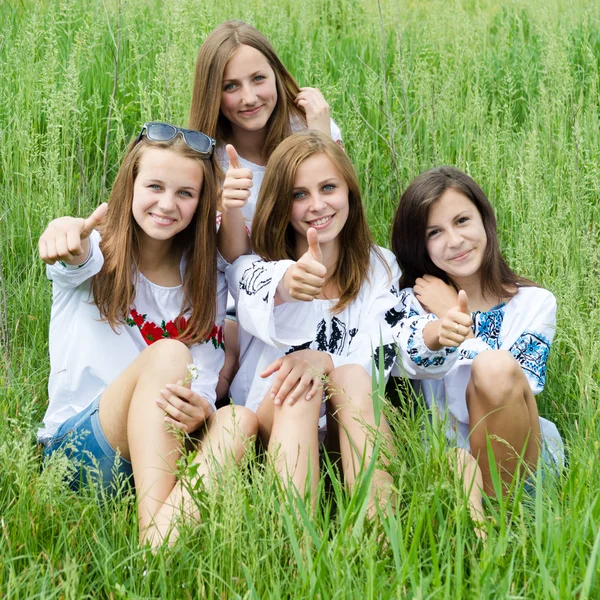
{"x": 431, "y": 335}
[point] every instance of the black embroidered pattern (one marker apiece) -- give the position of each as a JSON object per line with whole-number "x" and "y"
{"x": 251, "y": 281}
{"x": 389, "y": 356}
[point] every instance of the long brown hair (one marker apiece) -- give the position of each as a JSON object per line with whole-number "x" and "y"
{"x": 410, "y": 224}
{"x": 113, "y": 288}
{"x": 272, "y": 236}
{"x": 216, "y": 51}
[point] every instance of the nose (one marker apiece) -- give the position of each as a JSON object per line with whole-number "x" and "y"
{"x": 248, "y": 94}
{"x": 454, "y": 238}
{"x": 316, "y": 203}
{"x": 166, "y": 202}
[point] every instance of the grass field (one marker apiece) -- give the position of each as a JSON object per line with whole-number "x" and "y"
{"x": 508, "y": 93}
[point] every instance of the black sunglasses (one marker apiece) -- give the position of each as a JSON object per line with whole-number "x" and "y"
{"x": 163, "y": 132}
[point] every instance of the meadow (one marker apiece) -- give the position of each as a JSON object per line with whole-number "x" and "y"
{"x": 508, "y": 92}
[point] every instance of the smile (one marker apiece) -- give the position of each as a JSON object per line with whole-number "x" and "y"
{"x": 160, "y": 220}
{"x": 462, "y": 256}
{"x": 320, "y": 222}
{"x": 251, "y": 111}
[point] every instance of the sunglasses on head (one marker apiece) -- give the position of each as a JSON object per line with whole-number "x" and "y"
{"x": 163, "y": 132}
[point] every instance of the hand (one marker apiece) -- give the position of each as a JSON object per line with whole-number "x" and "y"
{"x": 238, "y": 182}
{"x": 434, "y": 295}
{"x": 184, "y": 409}
{"x": 312, "y": 102}
{"x": 299, "y": 374}
{"x": 66, "y": 238}
{"x": 304, "y": 280}
{"x": 455, "y": 327}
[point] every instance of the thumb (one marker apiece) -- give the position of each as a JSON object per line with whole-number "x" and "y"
{"x": 463, "y": 302}
{"x": 93, "y": 220}
{"x": 234, "y": 159}
{"x": 313, "y": 244}
{"x": 272, "y": 368}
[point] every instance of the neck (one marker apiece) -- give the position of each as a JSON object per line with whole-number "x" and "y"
{"x": 157, "y": 254}
{"x": 477, "y": 300}
{"x": 249, "y": 144}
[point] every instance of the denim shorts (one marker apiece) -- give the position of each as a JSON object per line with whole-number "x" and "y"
{"x": 85, "y": 445}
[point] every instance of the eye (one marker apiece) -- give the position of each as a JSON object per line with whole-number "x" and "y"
{"x": 259, "y": 78}
{"x": 229, "y": 87}
{"x": 186, "y": 193}
{"x": 432, "y": 233}
{"x": 154, "y": 186}
{"x": 329, "y": 187}
{"x": 462, "y": 220}
{"x": 298, "y": 195}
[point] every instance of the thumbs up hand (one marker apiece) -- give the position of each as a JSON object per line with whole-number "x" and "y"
{"x": 66, "y": 238}
{"x": 455, "y": 327}
{"x": 304, "y": 280}
{"x": 238, "y": 182}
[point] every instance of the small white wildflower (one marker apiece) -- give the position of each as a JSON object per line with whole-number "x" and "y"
{"x": 192, "y": 373}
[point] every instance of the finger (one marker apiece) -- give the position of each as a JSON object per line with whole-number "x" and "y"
{"x": 316, "y": 391}
{"x": 62, "y": 251}
{"x": 74, "y": 242}
{"x": 272, "y": 368}
{"x": 238, "y": 183}
{"x": 177, "y": 424}
{"x": 288, "y": 385}
{"x": 93, "y": 220}
{"x": 301, "y": 389}
{"x": 238, "y": 194}
{"x": 172, "y": 411}
{"x": 463, "y": 302}
{"x": 43, "y": 250}
{"x": 234, "y": 159}
{"x": 308, "y": 277}
{"x": 313, "y": 244}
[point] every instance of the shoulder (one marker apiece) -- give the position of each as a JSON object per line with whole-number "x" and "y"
{"x": 533, "y": 298}
{"x": 336, "y": 133}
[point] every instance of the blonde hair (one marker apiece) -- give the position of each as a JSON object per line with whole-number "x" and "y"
{"x": 273, "y": 238}
{"x": 113, "y": 288}
{"x": 216, "y": 51}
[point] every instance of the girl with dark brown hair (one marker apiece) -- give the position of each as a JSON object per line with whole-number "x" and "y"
{"x": 309, "y": 309}
{"x": 476, "y": 334}
{"x": 136, "y": 331}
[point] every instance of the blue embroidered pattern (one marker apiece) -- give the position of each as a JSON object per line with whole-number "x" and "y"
{"x": 425, "y": 361}
{"x": 531, "y": 351}
{"x": 488, "y": 325}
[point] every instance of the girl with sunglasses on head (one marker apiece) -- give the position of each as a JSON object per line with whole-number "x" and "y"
{"x": 484, "y": 359}
{"x": 311, "y": 306}
{"x": 136, "y": 331}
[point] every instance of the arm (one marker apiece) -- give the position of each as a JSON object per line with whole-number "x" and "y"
{"x": 232, "y": 238}
{"x": 312, "y": 102}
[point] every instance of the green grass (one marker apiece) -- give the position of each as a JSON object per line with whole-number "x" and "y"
{"x": 508, "y": 93}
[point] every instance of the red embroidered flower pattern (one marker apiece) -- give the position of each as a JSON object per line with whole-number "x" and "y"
{"x": 151, "y": 332}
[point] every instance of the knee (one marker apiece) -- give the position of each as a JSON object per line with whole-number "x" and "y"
{"x": 301, "y": 411}
{"x": 243, "y": 419}
{"x": 494, "y": 376}
{"x": 169, "y": 351}
{"x": 350, "y": 385}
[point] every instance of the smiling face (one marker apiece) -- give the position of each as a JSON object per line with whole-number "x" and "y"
{"x": 165, "y": 193}
{"x": 455, "y": 236}
{"x": 320, "y": 200}
{"x": 249, "y": 90}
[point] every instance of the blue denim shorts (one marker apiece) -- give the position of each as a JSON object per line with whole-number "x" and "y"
{"x": 84, "y": 443}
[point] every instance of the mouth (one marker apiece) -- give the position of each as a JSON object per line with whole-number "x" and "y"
{"x": 251, "y": 111}
{"x": 462, "y": 256}
{"x": 162, "y": 221}
{"x": 321, "y": 222}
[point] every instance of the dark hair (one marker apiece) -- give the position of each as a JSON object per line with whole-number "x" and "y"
{"x": 410, "y": 224}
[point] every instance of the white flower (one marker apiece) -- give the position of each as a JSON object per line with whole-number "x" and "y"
{"x": 193, "y": 372}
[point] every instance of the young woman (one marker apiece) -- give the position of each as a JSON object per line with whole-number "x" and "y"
{"x": 137, "y": 313}
{"x": 244, "y": 96}
{"x": 483, "y": 360}
{"x": 309, "y": 309}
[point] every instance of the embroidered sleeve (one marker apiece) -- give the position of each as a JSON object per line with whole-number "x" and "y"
{"x": 71, "y": 276}
{"x": 530, "y": 339}
{"x": 418, "y": 361}
{"x": 253, "y": 283}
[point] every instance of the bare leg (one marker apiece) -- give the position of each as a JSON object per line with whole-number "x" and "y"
{"x": 292, "y": 439}
{"x": 232, "y": 355}
{"x": 350, "y": 396}
{"x": 227, "y": 435}
{"x": 472, "y": 482}
{"x": 500, "y": 403}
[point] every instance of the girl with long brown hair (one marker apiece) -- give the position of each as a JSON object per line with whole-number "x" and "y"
{"x": 309, "y": 308}
{"x": 136, "y": 330}
{"x": 476, "y": 334}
